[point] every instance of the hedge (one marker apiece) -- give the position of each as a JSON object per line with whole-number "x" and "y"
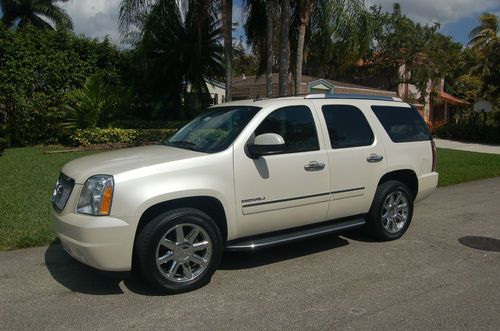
{"x": 146, "y": 124}
{"x": 87, "y": 137}
{"x": 470, "y": 132}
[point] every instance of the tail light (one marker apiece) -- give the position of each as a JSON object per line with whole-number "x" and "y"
{"x": 433, "y": 144}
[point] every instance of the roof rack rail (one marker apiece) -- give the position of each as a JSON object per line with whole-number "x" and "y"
{"x": 352, "y": 96}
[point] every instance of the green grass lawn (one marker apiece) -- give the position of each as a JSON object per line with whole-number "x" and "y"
{"x": 27, "y": 178}
{"x": 459, "y": 167}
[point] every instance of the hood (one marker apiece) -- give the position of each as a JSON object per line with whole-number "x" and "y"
{"x": 122, "y": 160}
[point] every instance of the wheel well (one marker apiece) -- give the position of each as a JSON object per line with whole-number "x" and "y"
{"x": 406, "y": 176}
{"x": 209, "y": 205}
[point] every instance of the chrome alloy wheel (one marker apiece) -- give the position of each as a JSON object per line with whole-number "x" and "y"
{"x": 184, "y": 252}
{"x": 395, "y": 211}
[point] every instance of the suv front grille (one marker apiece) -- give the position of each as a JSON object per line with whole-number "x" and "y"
{"x": 62, "y": 191}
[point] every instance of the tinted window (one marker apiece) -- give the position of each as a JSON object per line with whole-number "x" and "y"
{"x": 296, "y": 125}
{"x": 347, "y": 126}
{"x": 402, "y": 124}
{"x": 214, "y": 130}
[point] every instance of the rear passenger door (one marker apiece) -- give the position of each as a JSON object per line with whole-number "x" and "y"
{"x": 356, "y": 156}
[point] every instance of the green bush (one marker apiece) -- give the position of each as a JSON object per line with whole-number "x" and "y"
{"x": 145, "y": 124}
{"x": 37, "y": 69}
{"x": 92, "y": 136}
{"x": 469, "y": 132}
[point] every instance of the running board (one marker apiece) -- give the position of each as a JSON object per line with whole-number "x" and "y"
{"x": 278, "y": 239}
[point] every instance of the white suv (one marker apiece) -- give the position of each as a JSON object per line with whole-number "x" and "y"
{"x": 246, "y": 175}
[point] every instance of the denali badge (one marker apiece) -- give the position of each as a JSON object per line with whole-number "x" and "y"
{"x": 253, "y": 199}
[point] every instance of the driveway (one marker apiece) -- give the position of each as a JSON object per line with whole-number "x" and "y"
{"x": 469, "y": 147}
{"x": 429, "y": 279}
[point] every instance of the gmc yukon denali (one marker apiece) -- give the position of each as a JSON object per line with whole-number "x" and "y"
{"x": 246, "y": 175}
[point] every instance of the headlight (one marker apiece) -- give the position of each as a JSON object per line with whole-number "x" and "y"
{"x": 96, "y": 196}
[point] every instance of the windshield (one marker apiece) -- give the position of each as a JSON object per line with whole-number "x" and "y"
{"x": 214, "y": 130}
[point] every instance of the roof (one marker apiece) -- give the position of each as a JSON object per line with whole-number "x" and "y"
{"x": 248, "y": 81}
{"x": 450, "y": 98}
{"x": 215, "y": 83}
{"x": 262, "y": 102}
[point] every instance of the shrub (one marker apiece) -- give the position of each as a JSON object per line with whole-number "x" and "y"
{"x": 145, "y": 124}
{"x": 92, "y": 136}
{"x": 38, "y": 67}
{"x": 470, "y": 132}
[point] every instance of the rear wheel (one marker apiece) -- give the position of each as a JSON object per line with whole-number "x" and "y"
{"x": 179, "y": 250}
{"x": 391, "y": 211}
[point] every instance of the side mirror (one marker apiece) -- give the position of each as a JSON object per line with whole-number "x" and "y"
{"x": 266, "y": 144}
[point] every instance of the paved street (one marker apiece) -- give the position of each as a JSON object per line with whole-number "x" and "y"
{"x": 469, "y": 147}
{"x": 427, "y": 280}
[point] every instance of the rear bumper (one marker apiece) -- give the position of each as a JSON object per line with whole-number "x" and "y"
{"x": 105, "y": 243}
{"x": 426, "y": 185}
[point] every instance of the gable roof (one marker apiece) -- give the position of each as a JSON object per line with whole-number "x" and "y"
{"x": 249, "y": 81}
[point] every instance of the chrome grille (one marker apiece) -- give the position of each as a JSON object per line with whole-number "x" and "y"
{"x": 62, "y": 191}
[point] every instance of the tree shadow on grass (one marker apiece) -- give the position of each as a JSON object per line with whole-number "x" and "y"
{"x": 80, "y": 278}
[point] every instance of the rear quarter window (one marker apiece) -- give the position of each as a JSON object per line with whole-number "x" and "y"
{"x": 403, "y": 124}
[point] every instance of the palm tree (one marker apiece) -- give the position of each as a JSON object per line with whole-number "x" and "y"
{"x": 304, "y": 8}
{"x": 180, "y": 46}
{"x": 486, "y": 33}
{"x": 227, "y": 14}
{"x": 259, "y": 28}
{"x": 284, "y": 61}
{"x": 484, "y": 41}
{"x": 269, "y": 47}
{"x": 328, "y": 22}
{"x": 39, "y": 13}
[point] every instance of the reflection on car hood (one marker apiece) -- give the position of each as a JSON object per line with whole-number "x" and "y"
{"x": 122, "y": 160}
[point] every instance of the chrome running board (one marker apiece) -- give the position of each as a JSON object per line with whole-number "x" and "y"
{"x": 292, "y": 235}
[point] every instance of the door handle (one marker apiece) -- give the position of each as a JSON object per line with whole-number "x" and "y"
{"x": 314, "y": 166}
{"x": 374, "y": 158}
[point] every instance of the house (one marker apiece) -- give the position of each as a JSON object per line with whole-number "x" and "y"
{"x": 216, "y": 90}
{"x": 251, "y": 87}
{"x": 437, "y": 107}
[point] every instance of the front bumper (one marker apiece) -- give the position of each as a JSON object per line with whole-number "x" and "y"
{"x": 426, "y": 185}
{"x": 105, "y": 243}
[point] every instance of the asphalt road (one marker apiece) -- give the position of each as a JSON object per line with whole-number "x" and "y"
{"x": 427, "y": 280}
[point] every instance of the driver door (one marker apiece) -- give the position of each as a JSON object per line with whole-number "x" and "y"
{"x": 281, "y": 191}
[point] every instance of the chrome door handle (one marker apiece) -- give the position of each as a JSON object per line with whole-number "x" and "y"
{"x": 314, "y": 166}
{"x": 374, "y": 158}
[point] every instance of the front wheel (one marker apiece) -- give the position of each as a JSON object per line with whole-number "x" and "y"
{"x": 391, "y": 211}
{"x": 179, "y": 250}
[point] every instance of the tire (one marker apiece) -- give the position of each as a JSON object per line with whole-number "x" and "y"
{"x": 176, "y": 261}
{"x": 385, "y": 223}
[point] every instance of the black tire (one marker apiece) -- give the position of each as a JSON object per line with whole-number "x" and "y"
{"x": 375, "y": 222}
{"x": 146, "y": 248}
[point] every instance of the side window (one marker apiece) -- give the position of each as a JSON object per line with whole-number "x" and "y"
{"x": 347, "y": 126}
{"x": 296, "y": 125}
{"x": 403, "y": 124}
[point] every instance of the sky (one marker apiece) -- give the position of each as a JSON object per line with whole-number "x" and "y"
{"x": 99, "y": 18}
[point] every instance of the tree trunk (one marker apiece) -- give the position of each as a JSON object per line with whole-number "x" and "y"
{"x": 269, "y": 49}
{"x": 228, "y": 46}
{"x": 300, "y": 58}
{"x": 305, "y": 14}
{"x": 284, "y": 47}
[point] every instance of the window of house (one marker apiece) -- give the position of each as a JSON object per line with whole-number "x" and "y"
{"x": 296, "y": 125}
{"x": 403, "y": 124}
{"x": 347, "y": 126}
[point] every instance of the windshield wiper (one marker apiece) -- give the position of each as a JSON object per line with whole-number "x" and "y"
{"x": 182, "y": 144}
